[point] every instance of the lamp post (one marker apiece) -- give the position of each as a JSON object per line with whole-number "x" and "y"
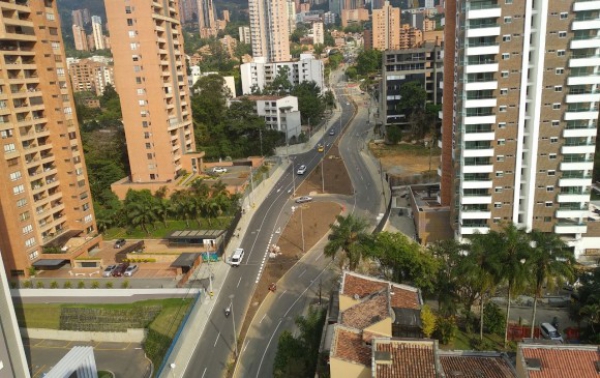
{"x": 294, "y": 177}
{"x": 233, "y": 322}
{"x": 323, "y": 173}
{"x": 302, "y": 227}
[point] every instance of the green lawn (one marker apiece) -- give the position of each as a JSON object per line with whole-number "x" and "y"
{"x": 159, "y": 230}
{"x": 462, "y": 341}
{"x": 38, "y": 315}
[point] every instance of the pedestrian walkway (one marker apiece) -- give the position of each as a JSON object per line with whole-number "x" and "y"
{"x": 210, "y": 278}
{"x": 318, "y": 133}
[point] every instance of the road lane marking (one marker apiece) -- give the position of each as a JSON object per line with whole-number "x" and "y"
{"x": 204, "y": 373}
{"x": 238, "y": 285}
{"x": 301, "y": 274}
{"x": 215, "y": 344}
{"x": 266, "y": 349}
{"x": 263, "y": 318}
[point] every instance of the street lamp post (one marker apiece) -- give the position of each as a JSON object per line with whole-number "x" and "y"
{"x": 233, "y": 321}
{"x": 302, "y": 227}
{"x": 294, "y": 177}
{"x": 323, "y": 173}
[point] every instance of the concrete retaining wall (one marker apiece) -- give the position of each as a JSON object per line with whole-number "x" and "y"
{"x": 98, "y": 292}
{"x": 131, "y": 336}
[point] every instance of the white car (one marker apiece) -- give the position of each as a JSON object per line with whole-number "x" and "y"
{"x": 131, "y": 269}
{"x": 304, "y": 199}
{"x": 219, "y": 170}
{"x": 301, "y": 170}
{"x": 109, "y": 270}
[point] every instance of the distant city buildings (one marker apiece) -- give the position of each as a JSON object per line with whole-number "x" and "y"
{"x": 280, "y": 113}
{"x": 386, "y": 28}
{"x": 245, "y": 36}
{"x": 90, "y": 75}
{"x": 80, "y": 38}
{"x": 156, "y": 114}
{"x": 188, "y": 11}
{"x": 97, "y": 33}
{"x": 88, "y": 42}
{"x": 318, "y": 33}
{"x": 269, "y": 28}
{"x": 206, "y": 19}
{"x": 258, "y": 74}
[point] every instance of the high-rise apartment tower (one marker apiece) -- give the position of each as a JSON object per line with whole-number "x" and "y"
{"x": 151, "y": 80}
{"x": 386, "y": 28}
{"x": 269, "y": 27}
{"x": 46, "y": 213}
{"x": 520, "y": 111}
{"x": 206, "y": 19}
{"x": 97, "y": 33}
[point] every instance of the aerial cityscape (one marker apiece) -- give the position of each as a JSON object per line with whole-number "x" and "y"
{"x": 299, "y": 188}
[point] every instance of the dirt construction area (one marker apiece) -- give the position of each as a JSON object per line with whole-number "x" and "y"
{"x": 336, "y": 180}
{"x": 406, "y": 159}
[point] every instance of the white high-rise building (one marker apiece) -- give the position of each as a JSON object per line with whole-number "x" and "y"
{"x": 269, "y": 29}
{"x": 97, "y": 33}
{"x": 521, "y": 99}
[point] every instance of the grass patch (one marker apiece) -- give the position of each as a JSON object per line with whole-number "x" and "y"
{"x": 104, "y": 374}
{"x": 161, "y": 230}
{"x": 463, "y": 341}
{"x": 38, "y": 315}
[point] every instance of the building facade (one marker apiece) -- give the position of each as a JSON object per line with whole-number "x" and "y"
{"x": 150, "y": 76}
{"x": 88, "y": 75}
{"x": 520, "y": 116}
{"x": 98, "y": 33}
{"x": 206, "y": 19}
{"x": 259, "y": 73}
{"x": 318, "y": 32}
{"x": 80, "y": 38}
{"x": 46, "y": 212}
{"x": 188, "y": 11}
{"x": 386, "y": 28}
{"x": 269, "y": 28}
{"x": 280, "y": 113}
{"x": 245, "y": 37}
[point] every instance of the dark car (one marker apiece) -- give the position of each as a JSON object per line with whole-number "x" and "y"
{"x": 118, "y": 272}
{"x": 332, "y": 132}
{"x": 119, "y": 243}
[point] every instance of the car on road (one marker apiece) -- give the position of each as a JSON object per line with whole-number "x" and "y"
{"x": 119, "y": 270}
{"x": 236, "y": 258}
{"x": 303, "y": 199}
{"x": 332, "y": 132}
{"x": 320, "y": 148}
{"x": 301, "y": 170}
{"x": 219, "y": 170}
{"x": 119, "y": 243}
{"x": 107, "y": 272}
{"x": 131, "y": 269}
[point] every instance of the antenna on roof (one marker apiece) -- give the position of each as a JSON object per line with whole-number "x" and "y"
{"x": 356, "y": 297}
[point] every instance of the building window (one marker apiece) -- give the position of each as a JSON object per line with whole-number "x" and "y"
{"x": 505, "y": 56}
{"x": 548, "y": 203}
{"x": 552, "y": 156}
{"x": 27, "y": 229}
{"x": 501, "y": 142}
{"x": 500, "y": 158}
{"x": 499, "y": 174}
{"x": 564, "y": 15}
{"x": 18, "y": 189}
{"x": 503, "y": 91}
{"x": 502, "y": 125}
{"x": 148, "y": 146}
{"x": 549, "y": 188}
{"x": 551, "y": 173}
{"x": 146, "y": 135}
{"x": 555, "y": 123}
{"x": 497, "y": 205}
{"x": 498, "y": 189}
{"x": 504, "y": 74}
{"x": 6, "y": 134}
{"x": 15, "y": 176}
{"x": 561, "y": 53}
{"x": 22, "y": 202}
{"x": 507, "y": 19}
{"x": 132, "y": 33}
{"x": 502, "y": 108}
{"x": 553, "y": 139}
{"x": 506, "y": 38}
{"x": 30, "y": 242}
{"x": 133, "y": 46}
{"x": 130, "y": 22}
{"x": 556, "y": 106}
{"x": 33, "y": 255}
{"x": 152, "y": 176}
{"x": 88, "y": 218}
{"x": 562, "y": 34}
{"x": 24, "y": 216}
{"x": 508, "y": 1}
{"x": 558, "y": 88}
{"x": 559, "y": 71}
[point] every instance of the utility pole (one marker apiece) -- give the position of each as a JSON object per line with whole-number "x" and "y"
{"x": 261, "y": 143}
{"x": 233, "y": 321}
{"x": 323, "y": 173}
{"x": 302, "y": 227}
{"x": 294, "y": 177}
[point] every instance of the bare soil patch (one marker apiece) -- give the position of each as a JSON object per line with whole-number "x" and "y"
{"x": 337, "y": 180}
{"x": 406, "y": 159}
{"x": 317, "y": 217}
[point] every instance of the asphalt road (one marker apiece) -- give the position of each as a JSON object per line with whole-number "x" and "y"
{"x": 216, "y": 344}
{"x": 312, "y": 274}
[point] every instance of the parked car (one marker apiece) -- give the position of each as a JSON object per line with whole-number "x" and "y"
{"x": 107, "y": 272}
{"x": 130, "y": 271}
{"x": 304, "y": 199}
{"x": 119, "y": 270}
{"x": 301, "y": 170}
{"x": 549, "y": 332}
{"x": 219, "y": 170}
{"x": 119, "y": 243}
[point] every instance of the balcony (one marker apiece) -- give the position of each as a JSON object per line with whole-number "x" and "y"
{"x": 470, "y": 230}
{"x": 577, "y": 165}
{"x": 483, "y": 184}
{"x": 562, "y": 198}
{"x": 484, "y": 168}
{"x": 578, "y": 149}
{"x": 584, "y": 62}
{"x": 583, "y": 130}
{"x": 570, "y": 228}
{"x": 478, "y": 136}
{"x": 475, "y": 214}
{"x": 583, "y": 97}
{"x": 480, "y": 119}
{"x": 586, "y": 5}
{"x": 483, "y": 10}
{"x": 484, "y": 31}
{"x": 480, "y": 103}
{"x": 583, "y": 114}
{"x": 476, "y": 200}
{"x": 478, "y": 151}
{"x": 571, "y": 213}
{"x": 478, "y": 68}
{"x": 481, "y": 85}
{"x": 575, "y": 181}
{"x": 583, "y": 80}
{"x": 586, "y": 25}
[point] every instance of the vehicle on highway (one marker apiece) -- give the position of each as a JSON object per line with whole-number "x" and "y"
{"x": 131, "y": 269}
{"x": 119, "y": 243}
{"x": 320, "y": 148}
{"x": 107, "y": 272}
{"x": 219, "y": 170}
{"x": 331, "y": 132}
{"x": 119, "y": 270}
{"x": 303, "y": 199}
{"x": 237, "y": 257}
{"x": 301, "y": 170}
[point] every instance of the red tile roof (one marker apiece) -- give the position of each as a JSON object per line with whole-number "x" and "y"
{"x": 405, "y": 297}
{"x": 354, "y": 284}
{"x": 368, "y": 312}
{"x": 476, "y": 365}
{"x": 409, "y": 359}
{"x": 562, "y": 361}
{"x": 348, "y": 346}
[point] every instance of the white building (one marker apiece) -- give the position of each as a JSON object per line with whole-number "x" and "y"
{"x": 245, "y": 36}
{"x": 97, "y": 33}
{"x": 318, "y": 33}
{"x": 280, "y": 112}
{"x": 260, "y": 73}
{"x": 195, "y": 75}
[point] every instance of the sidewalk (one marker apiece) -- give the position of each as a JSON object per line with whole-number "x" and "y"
{"x": 314, "y": 138}
{"x": 185, "y": 345}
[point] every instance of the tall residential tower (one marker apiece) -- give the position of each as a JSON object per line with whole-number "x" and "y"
{"x": 150, "y": 77}
{"x": 206, "y": 19}
{"x": 521, "y": 95}
{"x": 269, "y": 27}
{"x": 97, "y": 33}
{"x": 46, "y": 214}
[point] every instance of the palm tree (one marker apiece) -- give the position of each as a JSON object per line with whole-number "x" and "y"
{"x": 349, "y": 235}
{"x": 510, "y": 249}
{"x": 549, "y": 261}
{"x": 182, "y": 206}
{"x": 142, "y": 213}
{"x": 450, "y": 252}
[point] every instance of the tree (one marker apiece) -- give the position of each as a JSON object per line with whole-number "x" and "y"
{"x": 550, "y": 261}
{"x": 318, "y": 49}
{"x": 281, "y": 84}
{"x": 140, "y": 207}
{"x": 428, "y": 320}
{"x": 349, "y": 234}
{"x": 368, "y": 61}
{"x": 510, "y": 249}
{"x": 449, "y": 254}
{"x": 310, "y": 102}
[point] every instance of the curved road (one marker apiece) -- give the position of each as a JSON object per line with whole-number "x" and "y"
{"x": 216, "y": 344}
{"x": 312, "y": 274}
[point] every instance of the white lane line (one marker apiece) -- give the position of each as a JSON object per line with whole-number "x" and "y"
{"x": 283, "y": 292}
{"x": 245, "y": 346}
{"x": 263, "y": 318}
{"x": 215, "y": 344}
{"x": 238, "y": 285}
{"x": 266, "y": 349}
{"x": 301, "y": 274}
{"x": 204, "y": 373}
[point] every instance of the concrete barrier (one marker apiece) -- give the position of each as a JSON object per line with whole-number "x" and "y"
{"x": 98, "y": 292}
{"x": 136, "y": 335}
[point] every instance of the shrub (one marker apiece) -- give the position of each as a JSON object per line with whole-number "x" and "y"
{"x": 67, "y": 285}
{"x": 27, "y": 284}
{"x": 446, "y": 330}
{"x": 14, "y": 284}
{"x": 54, "y": 285}
{"x": 493, "y": 318}
{"x": 95, "y": 284}
{"x": 39, "y": 285}
{"x": 81, "y": 285}
{"x": 125, "y": 284}
{"x": 482, "y": 345}
{"x": 109, "y": 285}
{"x": 428, "y": 319}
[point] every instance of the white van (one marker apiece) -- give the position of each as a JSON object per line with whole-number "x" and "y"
{"x": 548, "y": 331}
{"x": 236, "y": 258}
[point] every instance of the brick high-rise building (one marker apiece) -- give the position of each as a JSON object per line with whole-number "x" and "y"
{"x": 77, "y": 16}
{"x": 520, "y": 111}
{"x": 207, "y": 22}
{"x": 269, "y": 27}
{"x": 150, "y": 77}
{"x": 80, "y": 38}
{"x": 386, "y": 28}
{"x": 88, "y": 75}
{"x": 46, "y": 214}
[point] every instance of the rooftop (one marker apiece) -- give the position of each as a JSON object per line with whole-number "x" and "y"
{"x": 359, "y": 286}
{"x": 393, "y": 358}
{"x": 426, "y": 197}
{"x": 371, "y": 310}
{"x": 348, "y": 345}
{"x": 263, "y": 98}
{"x": 467, "y": 364}
{"x": 559, "y": 361}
